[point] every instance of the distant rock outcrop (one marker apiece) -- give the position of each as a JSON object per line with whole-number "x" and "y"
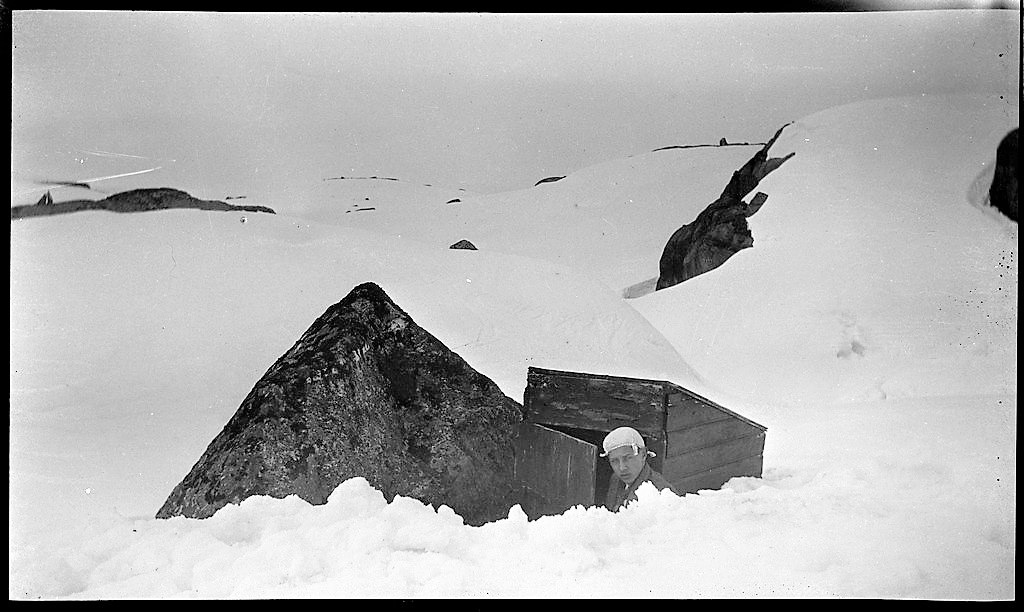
{"x": 722, "y": 142}
{"x": 364, "y": 392}
{"x": 1003, "y": 192}
{"x": 550, "y": 179}
{"x": 360, "y": 178}
{"x": 720, "y": 230}
{"x": 136, "y": 200}
{"x": 463, "y": 244}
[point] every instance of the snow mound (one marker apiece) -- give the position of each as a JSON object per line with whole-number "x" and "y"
{"x": 374, "y": 202}
{"x": 609, "y": 221}
{"x": 864, "y": 519}
{"x": 872, "y": 275}
{"x": 135, "y": 338}
{"x": 872, "y": 328}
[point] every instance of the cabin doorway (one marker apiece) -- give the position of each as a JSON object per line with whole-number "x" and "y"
{"x": 558, "y": 467}
{"x": 602, "y": 469}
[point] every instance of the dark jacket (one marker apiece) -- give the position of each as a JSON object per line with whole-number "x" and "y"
{"x": 619, "y": 493}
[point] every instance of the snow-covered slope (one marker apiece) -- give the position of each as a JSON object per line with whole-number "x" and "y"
{"x": 373, "y": 202}
{"x": 872, "y": 273}
{"x": 135, "y": 337}
{"x": 609, "y": 221}
{"x": 872, "y": 328}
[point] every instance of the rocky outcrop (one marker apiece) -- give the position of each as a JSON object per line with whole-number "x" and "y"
{"x": 720, "y": 230}
{"x": 722, "y": 142}
{"x": 463, "y": 244}
{"x": 1003, "y": 192}
{"x": 136, "y": 200}
{"x": 550, "y": 179}
{"x": 364, "y": 392}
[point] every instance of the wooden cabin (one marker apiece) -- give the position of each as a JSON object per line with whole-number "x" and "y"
{"x": 698, "y": 444}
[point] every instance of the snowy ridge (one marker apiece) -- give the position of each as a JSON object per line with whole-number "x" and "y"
{"x": 872, "y": 275}
{"x": 214, "y": 302}
{"x": 610, "y": 220}
{"x": 871, "y": 328}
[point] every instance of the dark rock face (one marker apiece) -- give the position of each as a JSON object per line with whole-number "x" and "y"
{"x": 136, "y": 200}
{"x": 550, "y": 179}
{"x": 720, "y": 230}
{"x": 463, "y": 244}
{"x": 364, "y": 392}
{"x": 1003, "y": 192}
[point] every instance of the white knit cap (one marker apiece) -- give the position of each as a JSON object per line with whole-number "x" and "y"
{"x": 623, "y": 436}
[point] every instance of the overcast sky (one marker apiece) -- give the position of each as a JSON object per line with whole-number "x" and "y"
{"x": 488, "y": 102}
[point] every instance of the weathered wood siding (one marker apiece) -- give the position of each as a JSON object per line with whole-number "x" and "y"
{"x": 555, "y": 471}
{"x": 682, "y": 464}
{"x": 708, "y": 444}
{"x": 716, "y": 477}
{"x": 685, "y": 411}
{"x": 590, "y": 401}
{"x": 699, "y": 444}
{"x": 682, "y": 440}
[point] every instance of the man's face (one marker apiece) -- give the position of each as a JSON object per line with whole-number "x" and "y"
{"x": 626, "y": 463}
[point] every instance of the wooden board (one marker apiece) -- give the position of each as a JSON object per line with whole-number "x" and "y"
{"x": 698, "y": 443}
{"x": 686, "y": 464}
{"x": 555, "y": 470}
{"x": 708, "y": 434}
{"x": 686, "y": 409}
{"x": 716, "y": 477}
{"x": 596, "y": 402}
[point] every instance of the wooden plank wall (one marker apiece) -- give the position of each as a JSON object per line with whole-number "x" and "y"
{"x": 557, "y": 471}
{"x": 707, "y": 445}
{"x": 699, "y": 444}
{"x": 716, "y": 477}
{"x": 600, "y": 403}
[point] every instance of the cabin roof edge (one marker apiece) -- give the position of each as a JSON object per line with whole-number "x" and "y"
{"x": 669, "y": 387}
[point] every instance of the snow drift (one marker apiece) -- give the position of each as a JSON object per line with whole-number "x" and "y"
{"x": 872, "y": 328}
{"x": 871, "y": 275}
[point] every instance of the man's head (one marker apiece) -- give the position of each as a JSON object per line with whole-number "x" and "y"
{"x": 626, "y": 453}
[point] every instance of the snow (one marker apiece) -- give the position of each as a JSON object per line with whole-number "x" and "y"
{"x": 872, "y": 328}
{"x": 899, "y": 287}
{"x": 918, "y": 511}
{"x": 606, "y": 214}
{"x": 199, "y": 305}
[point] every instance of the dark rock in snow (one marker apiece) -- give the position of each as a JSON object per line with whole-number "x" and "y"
{"x": 722, "y": 142}
{"x": 1003, "y": 192}
{"x": 136, "y": 200}
{"x": 463, "y": 244}
{"x": 720, "y": 230}
{"x": 364, "y": 392}
{"x": 550, "y": 179}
